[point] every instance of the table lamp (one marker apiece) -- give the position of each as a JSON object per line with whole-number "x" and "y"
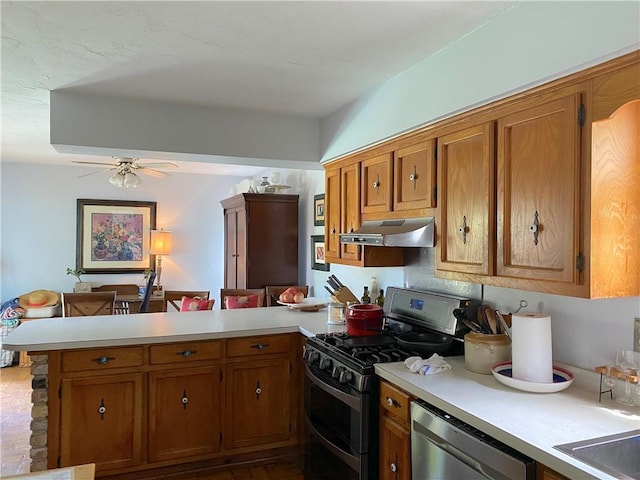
{"x": 160, "y": 245}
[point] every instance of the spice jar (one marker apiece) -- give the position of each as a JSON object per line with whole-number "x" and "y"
{"x": 482, "y": 351}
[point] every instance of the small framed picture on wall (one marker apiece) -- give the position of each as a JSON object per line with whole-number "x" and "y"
{"x": 318, "y": 210}
{"x": 318, "y": 261}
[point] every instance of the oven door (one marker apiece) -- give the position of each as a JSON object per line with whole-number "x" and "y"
{"x": 341, "y": 439}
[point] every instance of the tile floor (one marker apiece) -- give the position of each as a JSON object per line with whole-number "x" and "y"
{"x": 15, "y": 419}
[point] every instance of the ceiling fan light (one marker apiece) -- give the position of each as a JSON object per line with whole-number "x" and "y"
{"x": 117, "y": 180}
{"x": 131, "y": 180}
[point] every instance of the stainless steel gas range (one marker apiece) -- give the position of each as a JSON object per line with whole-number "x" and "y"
{"x": 341, "y": 388}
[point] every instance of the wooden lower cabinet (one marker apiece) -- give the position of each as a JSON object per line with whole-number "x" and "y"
{"x": 545, "y": 473}
{"x": 257, "y": 402}
{"x": 101, "y": 421}
{"x": 130, "y": 409}
{"x": 395, "y": 433}
{"x": 184, "y": 412}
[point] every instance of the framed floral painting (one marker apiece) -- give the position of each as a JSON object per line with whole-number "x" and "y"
{"x": 318, "y": 261}
{"x": 113, "y": 236}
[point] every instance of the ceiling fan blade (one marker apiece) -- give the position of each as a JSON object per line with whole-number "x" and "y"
{"x": 92, "y": 163}
{"x": 158, "y": 165}
{"x": 97, "y": 171}
{"x": 152, "y": 172}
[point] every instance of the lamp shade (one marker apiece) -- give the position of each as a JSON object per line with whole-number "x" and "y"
{"x": 160, "y": 242}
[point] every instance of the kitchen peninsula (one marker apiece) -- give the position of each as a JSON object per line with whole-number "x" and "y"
{"x": 147, "y": 359}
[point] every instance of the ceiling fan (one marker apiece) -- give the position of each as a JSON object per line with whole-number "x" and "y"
{"x": 127, "y": 169}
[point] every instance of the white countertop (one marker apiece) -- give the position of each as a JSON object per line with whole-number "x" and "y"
{"x": 531, "y": 423}
{"x": 62, "y": 333}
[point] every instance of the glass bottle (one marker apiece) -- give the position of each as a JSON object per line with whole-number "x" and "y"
{"x": 365, "y": 295}
{"x": 375, "y": 291}
{"x": 380, "y": 299}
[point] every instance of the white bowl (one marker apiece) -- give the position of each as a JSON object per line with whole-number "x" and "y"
{"x": 562, "y": 378}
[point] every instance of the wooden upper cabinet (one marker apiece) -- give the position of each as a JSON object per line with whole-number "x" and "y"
{"x": 332, "y": 212}
{"x": 466, "y": 217}
{"x": 377, "y": 184}
{"x": 414, "y": 170}
{"x": 614, "y": 89}
{"x": 350, "y": 203}
{"x": 538, "y": 182}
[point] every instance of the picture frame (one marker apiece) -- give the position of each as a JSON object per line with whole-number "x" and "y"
{"x": 318, "y": 260}
{"x": 318, "y": 210}
{"x": 113, "y": 236}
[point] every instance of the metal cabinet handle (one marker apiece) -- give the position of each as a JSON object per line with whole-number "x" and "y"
{"x": 392, "y": 403}
{"x": 394, "y": 467}
{"x": 184, "y": 400}
{"x": 258, "y": 390}
{"x": 103, "y": 360}
{"x": 413, "y": 177}
{"x": 376, "y": 183}
{"x": 260, "y": 346}
{"x": 535, "y": 228}
{"x": 102, "y": 409}
{"x": 464, "y": 229}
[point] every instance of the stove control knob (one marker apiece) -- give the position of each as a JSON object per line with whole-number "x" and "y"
{"x": 325, "y": 363}
{"x": 314, "y": 356}
{"x": 345, "y": 376}
{"x": 337, "y": 371}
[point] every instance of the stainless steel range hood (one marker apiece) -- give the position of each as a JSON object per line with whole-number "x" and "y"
{"x": 411, "y": 232}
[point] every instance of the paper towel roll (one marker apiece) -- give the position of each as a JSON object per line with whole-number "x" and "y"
{"x": 531, "y": 356}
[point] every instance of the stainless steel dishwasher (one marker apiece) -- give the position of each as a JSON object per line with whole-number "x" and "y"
{"x": 445, "y": 448}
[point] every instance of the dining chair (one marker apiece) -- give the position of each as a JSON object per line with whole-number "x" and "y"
{"x": 241, "y": 298}
{"x": 144, "y": 306}
{"x": 88, "y": 304}
{"x": 122, "y": 307}
{"x": 173, "y": 298}
{"x": 274, "y": 291}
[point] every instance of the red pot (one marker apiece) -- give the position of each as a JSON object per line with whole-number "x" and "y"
{"x": 364, "y": 319}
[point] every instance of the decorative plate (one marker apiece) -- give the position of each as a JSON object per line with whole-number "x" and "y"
{"x": 309, "y": 304}
{"x": 562, "y": 378}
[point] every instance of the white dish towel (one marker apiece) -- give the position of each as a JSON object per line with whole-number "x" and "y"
{"x": 430, "y": 366}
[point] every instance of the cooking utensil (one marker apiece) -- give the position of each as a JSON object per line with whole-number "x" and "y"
{"x": 472, "y": 325}
{"x": 425, "y": 343}
{"x": 503, "y": 324}
{"x": 364, "y": 319}
{"x": 333, "y": 284}
{"x": 337, "y": 280}
{"x": 491, "y": 320}
{"x": 331, "y": 292}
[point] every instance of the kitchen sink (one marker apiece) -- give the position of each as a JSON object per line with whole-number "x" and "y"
{"x": 618, "y": 455}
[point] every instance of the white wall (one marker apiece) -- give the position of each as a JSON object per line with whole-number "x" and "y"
{"x": 528, "y": 45}
{"x": 38, "y": 225}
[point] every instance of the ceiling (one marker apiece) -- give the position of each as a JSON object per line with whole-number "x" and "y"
{"x": 307, "y": 58}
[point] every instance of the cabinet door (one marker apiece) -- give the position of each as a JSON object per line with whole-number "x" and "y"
{"x": 101, "y": 421}
{"x": 377, "y": 185}
{"x": 332, "y": 214}
{"x": 466, "y": 215}
{"x": 258, "y": 403}
{"x": 395, "y": 451}
{"x": 350, "y": 202}
{"x": 415, "y": 177}
{"x": 538, "y": 192}
{"x": 184, "y": 412}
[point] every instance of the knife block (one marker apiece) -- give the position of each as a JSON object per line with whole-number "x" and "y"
{"x": 344, "y": 295}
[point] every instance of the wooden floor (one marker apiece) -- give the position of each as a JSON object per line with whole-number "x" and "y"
{"x": 15, "y": 430}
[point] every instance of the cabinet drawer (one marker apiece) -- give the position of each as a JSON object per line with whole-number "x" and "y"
{"x": 247, "y": 346}
{"x": 396, "y": 402}
{"x": 185, "y": 352}
{"x": 101, "y": 359}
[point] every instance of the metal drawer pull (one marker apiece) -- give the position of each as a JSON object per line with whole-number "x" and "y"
{"x": 392, "y": 402}
{"x": 260, "y": 346}
{"x": 535, "y": 228}
{"x": 102, "y": 409}
{"x": 185, "y": 399}
{"x": 103, "y": 360}
{"x": 187, "y": 353}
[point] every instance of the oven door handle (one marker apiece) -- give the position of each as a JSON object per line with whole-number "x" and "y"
{"x": 350, "y": 460}
{"x": 352, "y": 401}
